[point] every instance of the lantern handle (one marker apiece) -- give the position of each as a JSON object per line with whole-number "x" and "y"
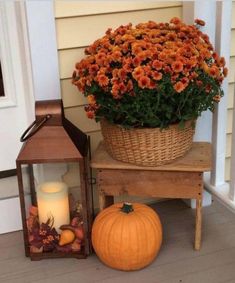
{"x": 34, "y": 127}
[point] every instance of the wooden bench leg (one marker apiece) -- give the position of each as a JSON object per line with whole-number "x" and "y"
{"x": 198, "y": 227}
{"x": 105, "y": 201}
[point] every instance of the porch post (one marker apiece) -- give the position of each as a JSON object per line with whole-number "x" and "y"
{"x": 232, "y": 173}
{"x": 222, "y": 44}
{"x": 205, "y": 10}
{"x": 217, "y": 185}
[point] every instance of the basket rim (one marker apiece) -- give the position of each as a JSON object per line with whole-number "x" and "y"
{"x": 188, "y": 124}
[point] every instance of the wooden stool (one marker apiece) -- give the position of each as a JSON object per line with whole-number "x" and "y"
{"x": 182, "y": 178}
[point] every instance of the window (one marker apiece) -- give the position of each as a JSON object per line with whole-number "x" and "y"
{"x": 8, "y": 51}
{"x": 1, "y": 82}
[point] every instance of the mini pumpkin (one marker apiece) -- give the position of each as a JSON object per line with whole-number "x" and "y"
{"x": 127, "y": 236}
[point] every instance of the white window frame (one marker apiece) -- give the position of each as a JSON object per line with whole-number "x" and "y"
{"x": 7, "y": 40}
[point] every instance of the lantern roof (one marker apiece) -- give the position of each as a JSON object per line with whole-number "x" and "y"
{"x": 54, "y": 142}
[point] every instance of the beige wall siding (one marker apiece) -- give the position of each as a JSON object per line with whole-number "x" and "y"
{"x": 72, "y": 31}
{"x": 231, "y": 91}
{"x": 231, "y": 94}
{"x": 84, "y": 8}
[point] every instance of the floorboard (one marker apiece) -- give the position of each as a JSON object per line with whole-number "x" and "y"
{"x": 177, "y": 261}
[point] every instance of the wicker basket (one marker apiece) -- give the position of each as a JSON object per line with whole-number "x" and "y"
{"x": 147, "y": 146}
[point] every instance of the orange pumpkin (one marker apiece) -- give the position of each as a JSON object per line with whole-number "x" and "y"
{"x": 127, "y": 236}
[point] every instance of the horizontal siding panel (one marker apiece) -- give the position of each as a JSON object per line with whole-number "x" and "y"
{"x": 232, "y": 50}
{"x": 227, "y": 169}
{"x": 231, "y": 72}
{"x": 81, "y": 8}
{"x": 229, "y": 120}
{"x": 231, "y": 93}
{"x": 70, "y": 94}
{"x": 82, "y": 31}
{"x": 68, "y": 59}
{"x": 233, "y": 13}
{"x": 228, "y": 145}
{"x": 78, "y": 117}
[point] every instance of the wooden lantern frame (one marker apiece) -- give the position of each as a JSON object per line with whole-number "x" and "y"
{"x": 55, "y": 140}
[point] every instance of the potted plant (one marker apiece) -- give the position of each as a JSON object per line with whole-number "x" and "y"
{"x": 147, "y": 85}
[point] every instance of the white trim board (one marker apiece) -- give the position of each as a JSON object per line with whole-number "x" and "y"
{"x": 221, "y": 193}
{"x": 14, "y": 119}
{"x": 43, "y": 49}
{"x": 222, "y": 44}
{"x": 10, "y": 214}
{"x": 7, "y": 40}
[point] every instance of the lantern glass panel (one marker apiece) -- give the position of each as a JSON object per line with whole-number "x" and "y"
{"x": 55, "y": 210}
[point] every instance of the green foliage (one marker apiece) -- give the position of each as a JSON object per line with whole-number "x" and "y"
{"x": 158, "y": 107}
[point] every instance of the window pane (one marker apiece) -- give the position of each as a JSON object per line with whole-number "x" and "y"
{"x": 1, "y": 83}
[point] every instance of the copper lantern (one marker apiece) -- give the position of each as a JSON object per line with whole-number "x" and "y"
{"x": 55, "y": 223}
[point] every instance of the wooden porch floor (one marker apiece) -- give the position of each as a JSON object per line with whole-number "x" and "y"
{"x": 177, "y": 261}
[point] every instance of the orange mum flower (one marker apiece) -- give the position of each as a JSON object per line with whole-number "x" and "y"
{"x": 199, "y": 22}
{"x": 175, "y": 21}
{"x": 122, "y": 87}
{"x": 177, "y": 66}
{"x": 129, "y": 86}
{"x": 167, "y": 69}
{"x": 157, "y": 65}
{"x": 93, "y": 69}
{"x": 174, "y": 78}
{"x": 136, "y": 61}
{"x": 91, "y": 99}
{"x": 216, "y": 98}
{"x": 215, "y": 56}
{"x": 100, "y": 57}
{"x": 222, "y": 62}
{"x": 136, "y": 50}
{"x": 213, "y": 71}
{"x": 122, "y": 74}
{"x": 90, "y": 114}
{"x": 193, "y": 76}
{"x": 171, "y": 36}
{"x": 205, "y": 53}
{"x": 179, "y": 87}
{"x": 144, "y": 82}
{"x": 152, "y": 85}
{"x": 115, "y": 91}
{"x": 163, "y": 56}
{"x": 81, "y": 83}
{"x": 127, "y": 68}
{"x": 138, "y": 72}
{"x": 143, "y": 55}
{"x": 225, "y": 72}
{"x": 208, "y": 88}
{"x": 156, "y": 76}
{"x": 102, "y": 80}
{"x": 116, "y": 56}
{"x": 185, "y": 80}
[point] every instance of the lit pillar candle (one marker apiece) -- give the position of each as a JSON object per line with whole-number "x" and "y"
{"x": 52, "y": 199}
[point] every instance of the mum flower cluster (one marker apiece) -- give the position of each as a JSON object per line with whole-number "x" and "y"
{"x": 151, "y": 75}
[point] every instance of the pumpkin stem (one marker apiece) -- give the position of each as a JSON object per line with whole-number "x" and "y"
{"x": 127, "y": 207}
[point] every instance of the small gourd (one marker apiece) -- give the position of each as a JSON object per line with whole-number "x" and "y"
{"x": 127, "y": 236}
{"x": 66, "y": 237}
